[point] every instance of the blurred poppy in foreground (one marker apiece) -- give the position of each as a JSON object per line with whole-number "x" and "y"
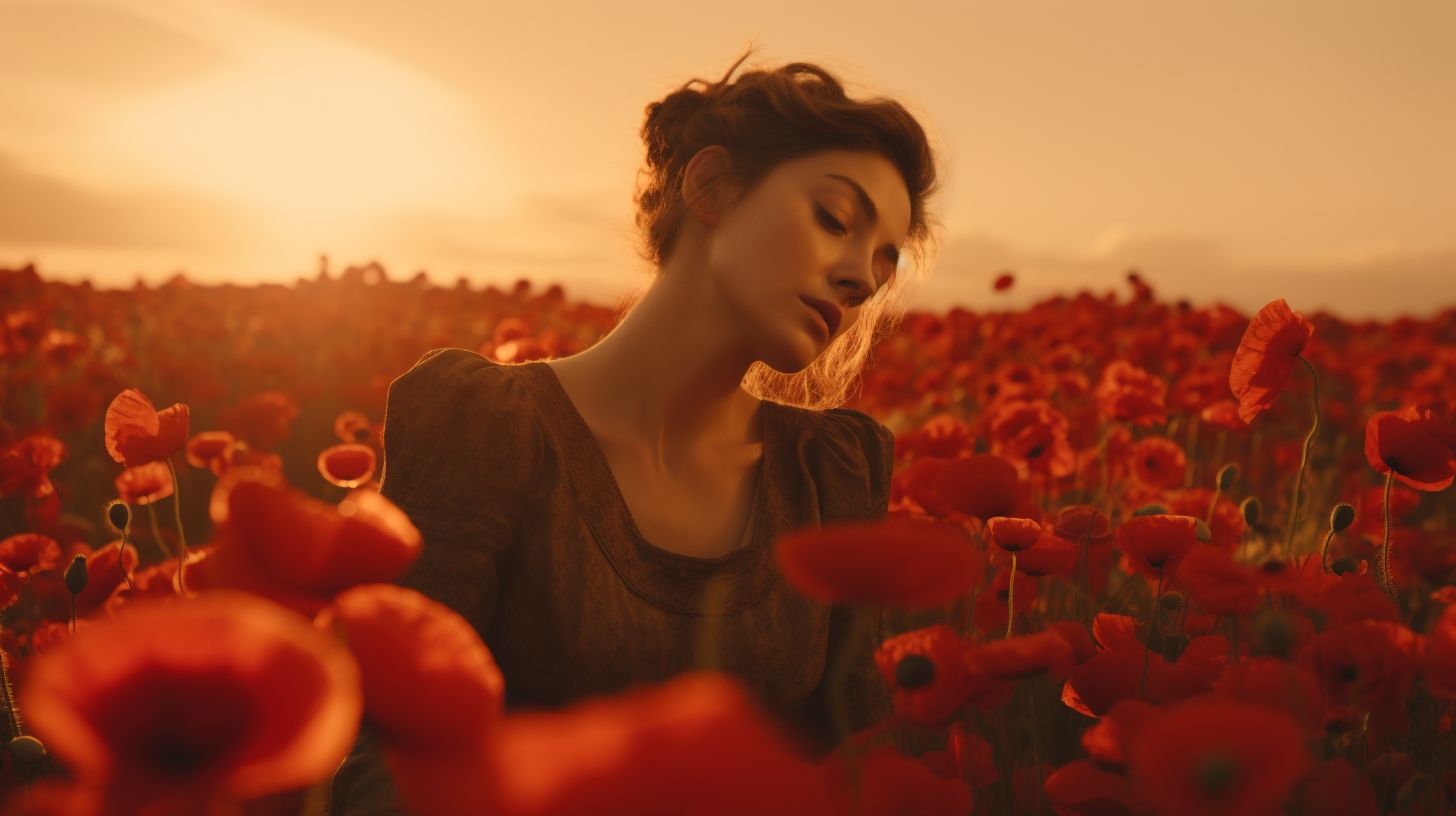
{"x": 909, "y": 563}
{"x": 137, "y": 433}
{"x": 1415, "y": 445}
{"x": 184, "y": 704}
{"x": 1210, "y": 756}
{"x": 274, "y": 540}
{"x": 1264, "y": 360}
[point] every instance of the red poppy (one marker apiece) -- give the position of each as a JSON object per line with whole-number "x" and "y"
{"x": 1107, "y": 742}
{"x": 1224, "y": 415}
{"x": 1367, "y": 666}
{"x": 262, "y": 420}
{"x": 24, "y": 553}
{"x": 1048, "y": 555}
{"x": 1227, "y": 526}
{"x": 1012, "y": 534}
{"x": 221, "y": 697}
{"x": 429, "y": 682}
{"x": 137, "y": 433}
{"x": 207, "y": 446}
{"x": 144, "y": 484}
{"x": 1212, "y": 756}
{"x": 890, "y": 784}
{"x": 926, "y": 672}
{"x": 1127, "y": 393}
{"x": 1080, "y": 787}
{"x": 1415, "y": 445}
{"x": 278, "y": 542}
{"x": 1280, "y": 684}
{"x": 1215, "y": 583}
{"x": 1003, "y": 281}
{"x": 911, "y": 563}
{"x": 1439, "y": 660}
{"x": 1057, "y": 650}
{"x": 1159, "y": 462}
{"x": 106, "y": 569}
{"x": 1032, "y": 435}
{"x": 979, "y": 486}
{"x": 347, "y": 465}
{"x": 25, "y": 467}
{"x": 1337, "y": 788}
{"x": 1083, "y": 524}
{"x": 695, "y": 744}
{"x": 1155, "y": 544}
{"x": 1265, "y": 357}
{"x": 239, "y": 454}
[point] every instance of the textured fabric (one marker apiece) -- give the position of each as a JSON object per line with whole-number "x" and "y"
{"x": 527, "y": 536}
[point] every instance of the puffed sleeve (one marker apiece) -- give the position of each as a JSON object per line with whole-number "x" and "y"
{"x": 866, "y": 449}
{"x": 460, "y": 445}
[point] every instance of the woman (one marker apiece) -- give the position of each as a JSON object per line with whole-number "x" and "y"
{"x": 607, "y": 519}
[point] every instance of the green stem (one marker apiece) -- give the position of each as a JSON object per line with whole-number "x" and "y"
{"x": 157, "y": 532}
{"x": 12, "y": 714}
{"x": 1385, "y": 543}
{"x": 1011, "y": 596}
{"x": 1152, "y": 625}
{"x": 181, "y": 537}
{"x": 1303, "y": 460}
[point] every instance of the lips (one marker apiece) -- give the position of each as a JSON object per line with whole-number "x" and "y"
{"x": 828, "y": 311}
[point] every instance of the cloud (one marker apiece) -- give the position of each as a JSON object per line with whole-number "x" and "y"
{"x": 43, "y": 209}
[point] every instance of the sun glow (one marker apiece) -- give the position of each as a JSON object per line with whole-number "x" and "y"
{"x": 315, "y": 133}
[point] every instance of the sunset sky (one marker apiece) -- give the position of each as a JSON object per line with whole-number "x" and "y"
{"x": 1238, "y": 150}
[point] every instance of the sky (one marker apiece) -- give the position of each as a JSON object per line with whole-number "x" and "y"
{"x": 1235, "y": 151}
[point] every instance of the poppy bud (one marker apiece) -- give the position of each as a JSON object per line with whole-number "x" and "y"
{"x": 1151, "y": 510}
{"x": 1274, "y": 635}
{"x": 76, "y": 575}
{"x": 1227, "y": 475}
{"x": 118, "y": 515}
{"x": 914, "y": 671}
{"x": 1251, "y": 508}
{"x": 1203, "y": 533}
{"x": 1341, "y": 517}
{"x": 1343, "y": 564}
{"x": 27, "y": 750}
{"x": 1172, "y": 602}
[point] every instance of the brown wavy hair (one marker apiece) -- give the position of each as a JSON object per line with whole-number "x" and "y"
{"x": 764, "y": 118}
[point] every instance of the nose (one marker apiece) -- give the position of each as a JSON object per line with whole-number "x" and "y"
{"x": 858, "y": 280}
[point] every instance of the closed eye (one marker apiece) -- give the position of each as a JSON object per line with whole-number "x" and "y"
{"x": 828, "y": 221}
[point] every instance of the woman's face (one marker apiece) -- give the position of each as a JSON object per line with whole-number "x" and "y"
{"x": 806, "y": 232}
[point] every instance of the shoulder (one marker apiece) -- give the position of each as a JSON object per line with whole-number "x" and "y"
{"x": 852, "y": 456}
{"x": 456, "y": 417}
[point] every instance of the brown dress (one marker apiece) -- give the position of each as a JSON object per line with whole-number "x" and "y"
{"x": 528, "y": 537}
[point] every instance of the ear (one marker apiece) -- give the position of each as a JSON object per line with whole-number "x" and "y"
{"x": 704, "y": 190}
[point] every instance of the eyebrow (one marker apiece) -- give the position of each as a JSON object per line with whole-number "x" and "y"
{"x": 869, "y": 206}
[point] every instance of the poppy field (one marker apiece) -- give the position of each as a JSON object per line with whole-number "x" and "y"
{"x": 1141, "y": 557}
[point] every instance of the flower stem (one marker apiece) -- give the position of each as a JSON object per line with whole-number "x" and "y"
{"x": 1385, "y": 543}
{"x": 1011, "y": 596}
{"x": 1152, "y": 626}
{"x": 1303, "y": 460}
{"x": 157, "y": 532}
{"x": 12, "y": 714}
{"x": 181, "y": 537}
{"x": 1325, "y": 551}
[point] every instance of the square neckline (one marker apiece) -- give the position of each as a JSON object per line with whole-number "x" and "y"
{"x": 757, "y": 523}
